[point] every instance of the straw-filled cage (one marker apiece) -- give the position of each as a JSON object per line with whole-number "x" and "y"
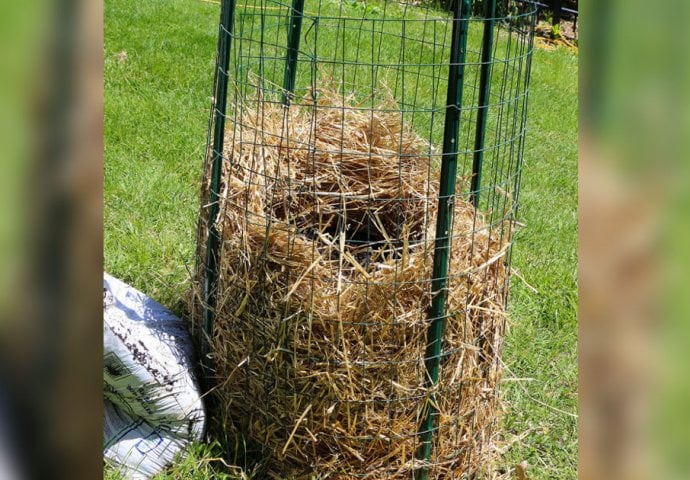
{"x": 357, "y": 215}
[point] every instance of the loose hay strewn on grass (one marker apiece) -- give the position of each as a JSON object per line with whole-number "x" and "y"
{"x": 328, "y": 219}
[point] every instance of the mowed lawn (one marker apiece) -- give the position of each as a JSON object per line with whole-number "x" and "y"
{"x": 159, "y": 61}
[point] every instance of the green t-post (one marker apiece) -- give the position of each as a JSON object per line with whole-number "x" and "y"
{"x": 213, "y": 239}
{"x": 294, "y": 33}
{"x": 449, "y": 166}
{"x": 484, "y": 99}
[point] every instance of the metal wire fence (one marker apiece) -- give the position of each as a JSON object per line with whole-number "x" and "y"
{"x": 358, "y": 208}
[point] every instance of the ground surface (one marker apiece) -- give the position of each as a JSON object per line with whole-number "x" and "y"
{"x": 159, "y": 58}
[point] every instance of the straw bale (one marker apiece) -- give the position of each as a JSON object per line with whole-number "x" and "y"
{"x": 320, "y": 336}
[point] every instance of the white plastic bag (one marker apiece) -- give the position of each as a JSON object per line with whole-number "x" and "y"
{"x": 153, "y": 408}
{"x": 9, "y": 470}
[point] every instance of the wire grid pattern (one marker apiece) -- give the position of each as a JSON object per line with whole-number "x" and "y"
{"x": 304, "y": 388}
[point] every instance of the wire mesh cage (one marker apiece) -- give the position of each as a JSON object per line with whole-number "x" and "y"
{"x": 357, "y": 213}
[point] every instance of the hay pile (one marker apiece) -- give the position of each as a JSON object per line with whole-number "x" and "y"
{"x": 320, "y": 335}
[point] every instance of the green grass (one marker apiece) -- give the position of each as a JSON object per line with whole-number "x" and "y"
{"x": 156, "y": 113}
{"x": 542, "y": 344}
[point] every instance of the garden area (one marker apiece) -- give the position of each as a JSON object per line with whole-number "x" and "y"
{"x": 159, "y": 74}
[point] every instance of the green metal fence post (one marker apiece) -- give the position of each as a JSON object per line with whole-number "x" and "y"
{"x": 294, "y": 32}
{"x": 484, "y": 99}
{"x": 449, "y": 165}
{"x": 213, "y": 240}
{"x": 557, "y": 11}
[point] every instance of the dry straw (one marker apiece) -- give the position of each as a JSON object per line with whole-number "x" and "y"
{"x": 320, "y": 336}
